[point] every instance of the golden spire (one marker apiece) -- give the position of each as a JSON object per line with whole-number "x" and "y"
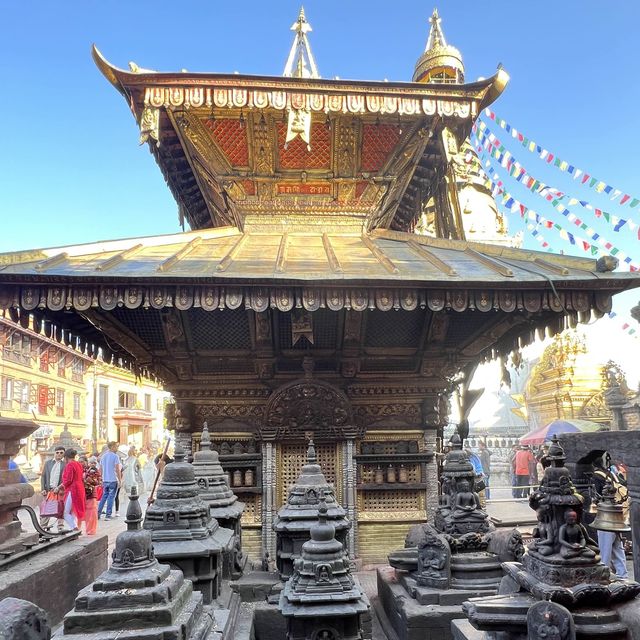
{"x": 440, "y": 62}
{"x": 436, "y": 36}
{"x": 301, "y": 63}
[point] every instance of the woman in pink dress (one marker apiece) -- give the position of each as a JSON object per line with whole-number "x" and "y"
{"x": 73, "y": 485}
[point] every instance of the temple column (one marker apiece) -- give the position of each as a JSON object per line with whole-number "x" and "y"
{"x": 349, "y": 490}
{"x": 268, "y": 499}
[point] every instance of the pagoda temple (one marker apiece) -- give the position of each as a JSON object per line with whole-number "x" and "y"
{"x": 302, "y": 302}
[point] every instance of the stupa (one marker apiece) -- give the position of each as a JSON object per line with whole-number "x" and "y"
{"x": 321, "y": 599}
{"x": 183, "y": 531}
{"x": 137, "y": 597}
{"x": 222, "y": 501}
{"x": 561, "y": 565}
{"x": 445, "y": 564}
{"x": 299, "y": 514}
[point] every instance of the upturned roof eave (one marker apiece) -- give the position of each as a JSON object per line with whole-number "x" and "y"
{"x": 125, "y": 81}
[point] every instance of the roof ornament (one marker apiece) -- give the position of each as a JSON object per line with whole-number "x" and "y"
{"x": 436, "y": 35}
{"x": 440, "y": 62}
{"x": 300, "y": 64}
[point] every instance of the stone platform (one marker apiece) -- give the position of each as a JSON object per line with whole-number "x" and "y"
{"x": 51, "y": 579}
{"x": 425, "y": 616}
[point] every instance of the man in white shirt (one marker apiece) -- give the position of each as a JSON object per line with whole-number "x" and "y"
{"x": 50, "y": 480}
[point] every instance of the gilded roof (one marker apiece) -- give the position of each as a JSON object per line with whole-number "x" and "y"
{"x": 281, "y": 254}
{"x": 234, "y": 145}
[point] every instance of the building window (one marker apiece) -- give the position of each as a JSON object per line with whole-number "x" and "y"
{"x": 62, "y": 365}
{"x": 6, "y": 393}
{"x": 43, "y": 399}
{"x": 60, "y": 402}
{"x": 76, "y": 406}
{"x": 22, "y": 392}
{"x": 44, "y": 361}
{"x": 127, "y": 400}
{"x": 18, "y": 349}
{"x": 103, "y": 409}
{"x": 77, "y": 370}
{"x": 147, "y": 402}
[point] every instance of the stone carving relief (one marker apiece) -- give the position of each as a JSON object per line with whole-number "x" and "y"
{"x": 308, "y": 406}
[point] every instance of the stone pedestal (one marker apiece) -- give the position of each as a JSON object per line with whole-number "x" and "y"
{"x": 223, "y": 504}
{"x": 12, "y": 491}
{"x": 300, "y": 513}
{"x": 183, "y": 532}
{"x": 443, "y": 566}
{"x": 561, "y": 566}
{"x": 321, "y": 599}
{"x": 140, "y": 598}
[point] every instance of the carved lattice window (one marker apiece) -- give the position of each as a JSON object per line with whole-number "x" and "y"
{"x": 292, "y": 457}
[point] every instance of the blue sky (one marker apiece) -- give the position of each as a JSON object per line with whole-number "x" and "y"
{"x": 72, "y": 170}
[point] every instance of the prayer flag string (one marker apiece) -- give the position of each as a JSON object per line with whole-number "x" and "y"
{"x": 496, "y": 150}
{"x": 551, "y": 194}
{"x": 513, "y": 205}
{"x": 586, "y": 179}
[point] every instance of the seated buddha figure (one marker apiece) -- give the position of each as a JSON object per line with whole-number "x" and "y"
{"x": 467, "y": 503}
{"x": 571, "y": 535}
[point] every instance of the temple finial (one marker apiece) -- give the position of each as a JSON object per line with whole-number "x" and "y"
{"x": 134, "y": 511}
{"x": 205, "y": 440}
{"x": 440, "y": 62}
{"x": 311, "y": 453}
{"x": 436, "y": 35}
{"x": 301, "y": 63}
{"x": 178, "y": 453}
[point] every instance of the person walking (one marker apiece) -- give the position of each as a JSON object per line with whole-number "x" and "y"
{"x": 111, "y": 470}
{"x": 50, "y": 481}
{"x": 523, "y": 461}
{"x": 92, "y": 480}
{"x": 610, "y": 542}
{"x": 131, "y": 475}
{"x": 73, "y": 486}
{"x": 485, "y": 460}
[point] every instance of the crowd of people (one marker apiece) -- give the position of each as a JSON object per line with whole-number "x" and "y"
{"x": 84, "y": 489}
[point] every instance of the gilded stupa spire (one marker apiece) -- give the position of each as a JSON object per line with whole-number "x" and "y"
{"x": 301, "y": 63}
{"x": 440, "y": 62}
{"x": 436, "y": 35}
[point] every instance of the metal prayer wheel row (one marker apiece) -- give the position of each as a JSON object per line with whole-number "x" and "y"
{"x": 391, "y": 475}
{"x": 240, "y": 479}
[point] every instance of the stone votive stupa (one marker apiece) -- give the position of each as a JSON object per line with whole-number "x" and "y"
{"x": 300, "y": 513}
{"x": 445, "y": 564}
{"x": 183, "y": 532}
{"x": 223, "y": 502}
{"x": 321, "y": 599}
{"x": 562, "y": 565}
{"x": 137, "y": 597}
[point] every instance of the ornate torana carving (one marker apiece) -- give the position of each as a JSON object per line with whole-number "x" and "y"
{"x": 308, "y": 405}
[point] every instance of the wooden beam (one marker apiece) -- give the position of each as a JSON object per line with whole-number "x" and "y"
{"x": 380, "y": 255}
{"x": 281, "y": 260}
{"x": 226, "y": 261}
{"x": 494, "y": 265}
{"x": 551, "y": 267}
{"x": 119, "y": 257}
{"x": 179, "y": 255}
{"x": 52, "y": 261}
{"x": 422, "y": 252}
{"x": 334, "y": 263}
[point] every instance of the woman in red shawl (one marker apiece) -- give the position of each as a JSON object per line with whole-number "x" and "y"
{"x": 73, "y": 484}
